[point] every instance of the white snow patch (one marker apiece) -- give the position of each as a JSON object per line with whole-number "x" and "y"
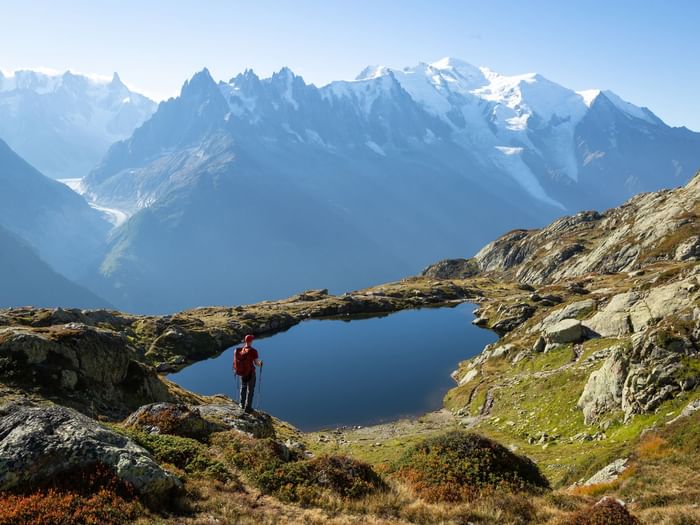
{"x": 508, "y": 150}
{"x": 588, "y": 96}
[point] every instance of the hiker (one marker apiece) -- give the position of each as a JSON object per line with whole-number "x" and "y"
{"x": 245, "y": 359}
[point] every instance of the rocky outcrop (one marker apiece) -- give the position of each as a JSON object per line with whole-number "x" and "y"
{"x": 199, "y": 421}
{"x": 614, "y": 319}
{"x": 452, "y": 269}
{"x": 39, "y": 443}
{"x": 689, "y": 250}
{"x": 229, "y": 415}
{"x": 512, "y": 316}
{"x": 638, "y": 378}
{"x": 661, "y": 225}
{"x": 603, "y": 391}
{"x": 89, "y": 368}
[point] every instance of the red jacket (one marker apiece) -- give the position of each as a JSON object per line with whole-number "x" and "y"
{"x": 244, "y": 360}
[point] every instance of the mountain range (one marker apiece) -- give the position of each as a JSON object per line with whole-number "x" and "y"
{"x": 257, "y": 188}
{"x": 63, "y": 124}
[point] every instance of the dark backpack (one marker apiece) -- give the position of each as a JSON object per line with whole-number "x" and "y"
{"x": 243, "y": 362}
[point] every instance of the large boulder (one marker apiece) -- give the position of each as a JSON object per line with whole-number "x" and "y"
{"x": 565, "y": 331}
{"x": 608, "y": 473}
{"x": 38, "y": 443}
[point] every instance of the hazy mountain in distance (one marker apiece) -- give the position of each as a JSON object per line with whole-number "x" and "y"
{"x": 66, "y": 232}
{"x": 26, "y": 280}
{"x": 64, "y": 123}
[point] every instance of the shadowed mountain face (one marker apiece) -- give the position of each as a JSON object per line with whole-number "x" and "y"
{"x": 257, "y": 188}
{"x": 27, "y": 280}
{"x": 63, "y": 124}
{"x": 65, "y": 231}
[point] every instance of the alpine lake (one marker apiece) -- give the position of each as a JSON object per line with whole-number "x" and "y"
{"x": 358, "y": 371}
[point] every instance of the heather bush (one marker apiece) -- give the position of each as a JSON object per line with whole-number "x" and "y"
{"x": 276, "y": 470}
{"x": 607, "y": 511}
{"x": 458, "y": 466}
{"x": 87, "y": 496}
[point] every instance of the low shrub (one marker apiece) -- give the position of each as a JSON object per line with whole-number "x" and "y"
{"x": 276, "y": 470}
{"x": 305, "y": 480}
{"x": 184, "y": 453}
{"x": 458, "y": 466}
{"x": 90, "y": 496}
{"x": 606, "y": 512}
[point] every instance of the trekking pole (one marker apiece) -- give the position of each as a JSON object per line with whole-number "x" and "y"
{"x": 260, "y": 387}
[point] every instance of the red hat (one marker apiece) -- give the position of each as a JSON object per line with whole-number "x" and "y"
{"x": 249, "y": 338}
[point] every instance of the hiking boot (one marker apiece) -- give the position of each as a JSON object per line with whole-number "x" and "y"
{"x": 249, "y": 410}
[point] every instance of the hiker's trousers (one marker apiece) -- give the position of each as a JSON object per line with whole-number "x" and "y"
{"x": 247, "y": 390}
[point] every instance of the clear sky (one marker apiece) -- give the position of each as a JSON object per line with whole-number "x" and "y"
{"x": 647, "y": 51}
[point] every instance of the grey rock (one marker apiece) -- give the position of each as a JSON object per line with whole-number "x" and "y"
{"x": 614, "y": 319}
{"x": 570, "y": 311}
{"x": 512, "y": 317}
{"x": 603, "y": 390}
{"x": 565, "y": 331}
{"x": 688, "y": 250}
{"x": 38, "y": 443}
{"x": 539, "y": 345}
{"x": 608, "y": 473}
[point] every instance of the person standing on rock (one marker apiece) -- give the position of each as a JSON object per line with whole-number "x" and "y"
{"x": 245, "y": 359}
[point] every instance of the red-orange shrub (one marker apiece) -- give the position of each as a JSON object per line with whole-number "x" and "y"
{"x": 90, "y": 496}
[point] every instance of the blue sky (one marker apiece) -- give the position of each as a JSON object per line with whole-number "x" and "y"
{"x": 645, "y": 50}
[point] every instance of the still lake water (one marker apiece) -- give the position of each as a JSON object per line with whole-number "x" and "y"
{"x": 330, "y": 373}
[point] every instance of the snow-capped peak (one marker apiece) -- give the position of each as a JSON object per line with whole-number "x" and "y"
{"x": 371, "y": 72}
{"x": 589, "y": 95}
